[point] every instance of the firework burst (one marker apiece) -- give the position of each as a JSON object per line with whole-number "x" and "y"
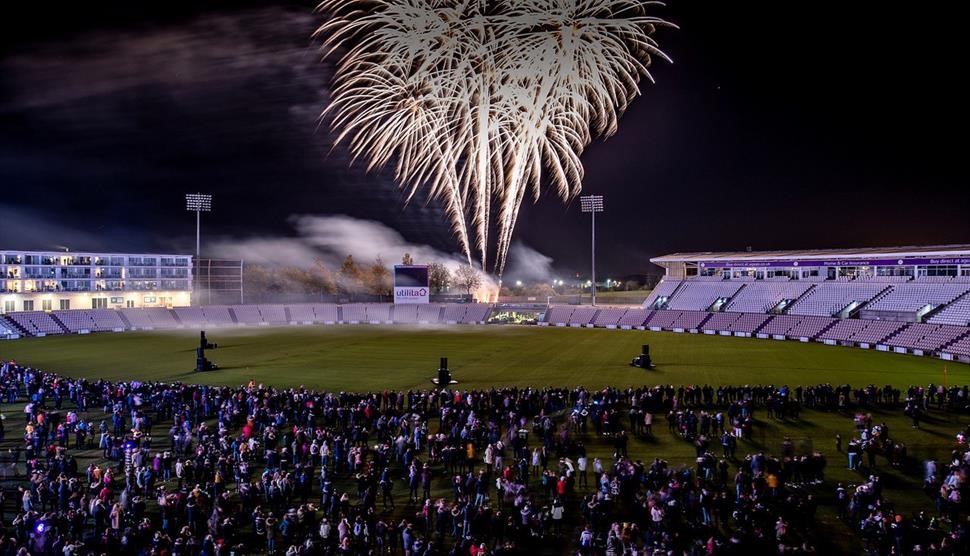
{"x": 482, "y": 101}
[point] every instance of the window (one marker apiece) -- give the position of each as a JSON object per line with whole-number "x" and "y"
{"x": 99, "y": 302}
{"x": 47, "y": 304}
{"x": 65, "y": 304}
{"x": 149, "y": 299}
{"x": 28, "y": 305}
{"x": 130, "y": 304}
{"x": 117, "y": 300}
{"x": 9, "y": 306}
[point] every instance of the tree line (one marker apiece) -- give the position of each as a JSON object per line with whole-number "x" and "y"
{"x": 352, "y": 277}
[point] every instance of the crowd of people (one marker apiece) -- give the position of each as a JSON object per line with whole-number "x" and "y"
{"x": 177, "y": 469}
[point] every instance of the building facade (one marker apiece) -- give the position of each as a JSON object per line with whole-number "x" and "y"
{"x": 822, "y": 264}
{"x": 49, "y": 280}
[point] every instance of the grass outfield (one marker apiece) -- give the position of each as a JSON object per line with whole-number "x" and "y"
{"x": 377, "y": 357}
{"x": 400, "y": 357}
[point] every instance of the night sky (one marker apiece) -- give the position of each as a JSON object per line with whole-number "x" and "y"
{"x": 779, "y": 125}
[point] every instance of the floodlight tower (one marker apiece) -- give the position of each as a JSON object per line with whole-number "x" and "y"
{"x": 592, "y": 204}
{"x": 199, "y": 203}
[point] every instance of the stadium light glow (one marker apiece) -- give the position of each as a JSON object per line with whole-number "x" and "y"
{"x": 592, "y": 204}
{"x": 198, "y": 203}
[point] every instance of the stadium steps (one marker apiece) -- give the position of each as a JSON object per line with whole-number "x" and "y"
{"x": 894, "y": 334}
{"x": 723, "y": 305}
{"x": 854, "y": 312}
{"x": 937, "y": 309}
{"x": 954, "y": 341}
{"x": 176, "y": 317}
{"x": 15, "y": 326}
{"x": 764, "y": 324}
{"x": 682, "y": 285}
{"x": 825, "y": 329}
{"x": 880, "y": 295}
{"x": 287, "y": 315}
{"x": 679, "y": 287}
{"x": 791, "y": 304}
{"x": 58, "y": 322}
{"x": 125, "y": 320}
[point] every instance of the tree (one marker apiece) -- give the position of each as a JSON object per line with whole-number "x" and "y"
{"x": 261, "y": 282}
{"x": 438, "y": 277}
{"x": 378, "y": 278}
{"x": 349, "y": 278}
{"x": 407, "y": 259}
{"x": 467, "y": 278}
{"x": 323, "y": 277}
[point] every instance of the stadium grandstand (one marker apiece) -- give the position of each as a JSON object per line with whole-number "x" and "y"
{"x": 912, "y": 300}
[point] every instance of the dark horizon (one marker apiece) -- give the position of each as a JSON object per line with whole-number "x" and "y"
{"x": 775, "y": 127}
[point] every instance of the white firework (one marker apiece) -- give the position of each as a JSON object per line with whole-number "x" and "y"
{"x": 482, "y": 101}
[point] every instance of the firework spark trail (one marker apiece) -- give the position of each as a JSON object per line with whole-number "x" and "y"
{"x": 480, "y": 101}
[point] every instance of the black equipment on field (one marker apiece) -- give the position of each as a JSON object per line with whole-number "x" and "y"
{"x": 444, "y": 375}
{"x": 643, "y": 360}
{"x": 201, "y": 363}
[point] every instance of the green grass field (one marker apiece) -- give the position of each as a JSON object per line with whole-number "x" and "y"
{"x": 360, "y": 358}
{"x": 376, "y": 357}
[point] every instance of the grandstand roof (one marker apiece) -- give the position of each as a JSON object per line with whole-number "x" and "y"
{"x": 929, "y": 251}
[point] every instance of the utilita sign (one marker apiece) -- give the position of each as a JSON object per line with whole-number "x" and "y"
{"x": 411, "y": 295}
{"x": 412, "y": 284}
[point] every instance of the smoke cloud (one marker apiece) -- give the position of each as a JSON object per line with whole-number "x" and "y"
{"x": 331, "y": 238}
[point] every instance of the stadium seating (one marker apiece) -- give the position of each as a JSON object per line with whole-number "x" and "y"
{"x": 797, "y": 326}
{"x": 811, "y": 327}
{"x": 191, "y": 317}
{"x": 477, "y": 313}
{"x": 162, "y": 317}
{"x": 91, "y": 320}
{"x": 217, "y": 315}
{"x": 273, "y": 314}
{"x": 830, "y": 298}
{"x": 7, "y": 329}
{"x": 876, "y": 331}
{"x": 137, "y": 319}
{"x": 75, "y": 321}
{"x": 746, "y": 323}
{"x": 721, "y": 321}
{"x": 700, "y": 295}
{"x": 405, "y": 313}
{"x": 326, "y": 313}
{"x": 301, "y": 313}
{"x": 957, "y": 313}
{"x": 661, "y": 293}
{"x": 559, "y": 315}
{"x": 945, "y": 330}
{"x": 634, "y": 318}
{"x": 609, "y": 316}
{"x": 378, "y": 313}
{"x": 247, "y": 314}
{"x": 353, "y": 313}
{"x": 761, "y": 297}
{"x": 884, "y": 279}
{"x": 749, "y": 323}
{"x": 938, "y": 337}
{"x": 670, "y": 320}
{"x": 960, "y": 347}
{"x": 453, "y": 313}
{"x": 37, "y": 323}
{"x": 429, "y": 313}
{"x": 582, "y": 316}
{"x": 912, "y": 297}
